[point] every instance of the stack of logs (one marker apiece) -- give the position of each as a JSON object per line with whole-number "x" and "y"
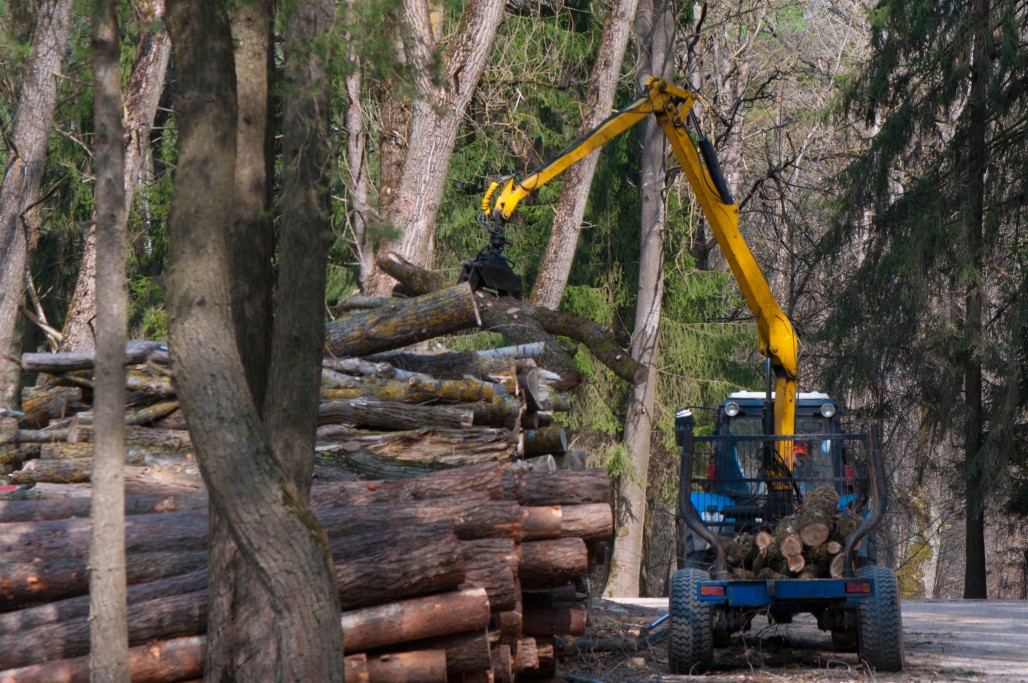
{"x": 461, "y": 575}
{"x": 384, "y": 416}
{"x": 807, "y": 544}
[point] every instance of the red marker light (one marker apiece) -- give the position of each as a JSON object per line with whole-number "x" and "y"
{"x": 858, "y": 587}
{"x": 712, "y": 590}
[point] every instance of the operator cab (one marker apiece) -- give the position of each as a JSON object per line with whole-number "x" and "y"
{"x": 743, "y": 415}
{"x": 747, "y": 483}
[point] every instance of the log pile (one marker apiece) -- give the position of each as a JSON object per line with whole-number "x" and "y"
{"x": 807, "y": 544}
{"x": 383, "y": 415}
{"x": 456, "y": 539}
{"x": 464, "y": 574}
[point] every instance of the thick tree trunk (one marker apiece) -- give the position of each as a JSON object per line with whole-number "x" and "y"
{"x": 975, "y": 482}
{"x": 560, "y": 248}
{"x": 236, "y": 595}
{"x": 655, "y": 25}
{"x": 435, "y": 122}
{"x": 266, "y": 512}
{"x": 108, "y": 625}
{"x": 140, "y": 105}
{"x": 37, "y": 101}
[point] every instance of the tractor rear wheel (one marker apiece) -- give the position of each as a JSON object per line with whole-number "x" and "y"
{"x": 692, "y": 642}
{"x": 879, "y": 626}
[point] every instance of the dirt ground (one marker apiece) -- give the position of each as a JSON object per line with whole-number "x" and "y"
{"x": 946, "y": 641}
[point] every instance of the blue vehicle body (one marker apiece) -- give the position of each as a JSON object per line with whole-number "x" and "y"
{"x": 734, "y": 484}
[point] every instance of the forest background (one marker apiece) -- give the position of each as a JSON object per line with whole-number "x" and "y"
{"x": 877, "y": 152}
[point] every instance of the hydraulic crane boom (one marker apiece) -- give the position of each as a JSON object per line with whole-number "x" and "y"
{"x": 672, "y": 107}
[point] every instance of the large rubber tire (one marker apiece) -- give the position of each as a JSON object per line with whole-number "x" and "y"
{"x": 879, "y": 626}
{"x": 691, "y": 649}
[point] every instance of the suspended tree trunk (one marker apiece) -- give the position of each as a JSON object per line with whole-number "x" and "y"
{"x": 437, "y": 116}
{"x": 107, "y": 579}
{"x": 235, "y": 648}
{"x": 246, "y": 480}
{"x": 37, "y": 100}
{"x": 560, "y": 249}
{"x": 141, "y": 97}
{"x": 655, "y": 27}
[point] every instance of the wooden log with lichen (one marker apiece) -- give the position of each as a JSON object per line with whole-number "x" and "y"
{"x": 517, "y": 329}
{"x": 372, "y": 413}
{"x": 450, "y": 447}
{"x": 816, "y": 515}
{"x": 136, "y": 352}
{"x": 402, "y": 323}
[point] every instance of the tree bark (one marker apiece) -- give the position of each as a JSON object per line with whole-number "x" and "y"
{"x": 435, "y": 122}
{"x": 563, "y": 487}
{"x": 64, "y": 508}
{"x": 171, "y": 660}
{"x": 415, "y": 619}
{"x": 446, "y": 447}
{"x": 108, "y": 623}
{"x": 358, "y": 182}
{"x": 264, "y": 510}
{"x": 140, "y": 106}
{"x": 29, "y": 580}
{"x": 73, "y": 608}
{"x": 975, "y": 482}
{"x": 567, "y": 619}
{"x": 23, "y": 172}
{"x": 405, "y": 322}
{"x": 567, "y": 221}
{"x": 136, "y": 353}
{"x": 485, "y": 478}
{"x": 552, "y": 562}
{"x": 158, "y": 619}
{"x": 236, "y": 595}
{"x": 372, "y": 413}
{"x": 655, "y": 26}
{"x": 416, "y": 280}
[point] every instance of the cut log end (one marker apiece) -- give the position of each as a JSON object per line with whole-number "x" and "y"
{"x": 814, "y": 534}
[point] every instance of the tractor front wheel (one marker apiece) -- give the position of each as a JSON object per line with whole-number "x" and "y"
{"x": 879, "y": 626}
{"x": 692, "y": 642}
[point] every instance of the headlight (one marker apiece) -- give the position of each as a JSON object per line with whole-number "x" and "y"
{"x": 731, "y": 409}
{"x": 827, "y": 409}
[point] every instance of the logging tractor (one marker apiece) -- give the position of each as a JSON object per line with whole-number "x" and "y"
{"x": 777, "y": 508}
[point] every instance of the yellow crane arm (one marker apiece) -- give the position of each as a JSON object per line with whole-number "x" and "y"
{"x": 671, "y": 106}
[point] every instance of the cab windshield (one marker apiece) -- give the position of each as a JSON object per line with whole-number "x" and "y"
{"x": 744, "y": 460}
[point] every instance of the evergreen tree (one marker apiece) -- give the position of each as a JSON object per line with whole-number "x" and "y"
{"x": 928, "y": 219}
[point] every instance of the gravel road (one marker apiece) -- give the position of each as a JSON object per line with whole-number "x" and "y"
{"x": 946, "y": 640}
